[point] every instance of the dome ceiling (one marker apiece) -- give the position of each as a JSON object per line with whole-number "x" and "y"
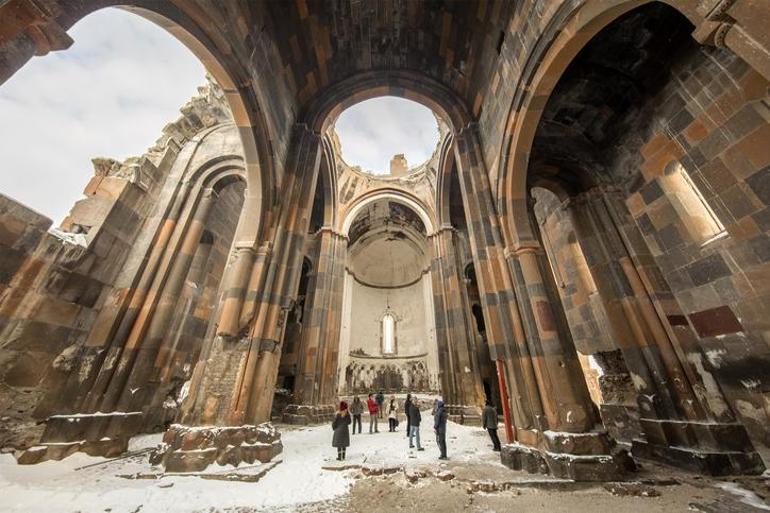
{"x": 387, "y": 244}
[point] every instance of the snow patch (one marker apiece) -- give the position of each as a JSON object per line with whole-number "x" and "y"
{"x": 750, "y": 383}
{"x": 96, "y": 414}
{"x": 745, "y": 496}
{"x": 298, "y": 479}
{"x": 714, "y": 356}
{"x": 638, "y": 381}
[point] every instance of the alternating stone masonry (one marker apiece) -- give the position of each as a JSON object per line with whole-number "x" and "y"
{"x": 195, "y": 281}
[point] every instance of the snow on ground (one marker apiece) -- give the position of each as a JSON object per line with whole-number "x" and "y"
{"x": 745, "y": 496}
{"x": 55, "y": 486}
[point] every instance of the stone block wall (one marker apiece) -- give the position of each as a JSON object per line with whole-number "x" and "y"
{"x": 55, "y": 284}
{"x": 583, "y": 308}
{"x": 54, "y": 287}
{"x": 712, "y": 119}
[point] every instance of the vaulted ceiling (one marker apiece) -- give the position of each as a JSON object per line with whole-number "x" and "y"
{"x": 387, "y": 245}
{"x": 605, "y": 90}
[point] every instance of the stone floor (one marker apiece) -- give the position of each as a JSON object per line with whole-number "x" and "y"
{"x": 380, "y": 474}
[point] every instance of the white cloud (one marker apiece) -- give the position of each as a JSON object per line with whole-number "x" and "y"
{"x": 109, "y": 95}
{"x": 372, "y": 131}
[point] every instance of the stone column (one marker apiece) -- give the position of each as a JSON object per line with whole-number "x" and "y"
{"x": 314, "y": 402}
{"x": 234, "y": 382}
{"x": 679, "y": 426}
{"x": 459, "y": 370}
{"x": 145, "y": 339}
{"x": 329, "y": 373}
{"x": 529, "y": 386}
{"x": 234, "y": 291}
{"x": 565, "y": 397}
{"x": 505, "y": 333}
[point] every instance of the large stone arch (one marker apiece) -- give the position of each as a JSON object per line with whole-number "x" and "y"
{"x": 329, "y": 104}
{"x": 570, "y": 28}
{"x": 399, "y": 196}
{"x": 37, "y": 36}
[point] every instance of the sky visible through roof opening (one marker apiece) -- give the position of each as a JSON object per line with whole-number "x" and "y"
{"x": 109, "y": 95}
{"x": 372, "y": 131}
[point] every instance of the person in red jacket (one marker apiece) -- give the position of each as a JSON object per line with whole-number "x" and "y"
{"x": 373, "y": 409}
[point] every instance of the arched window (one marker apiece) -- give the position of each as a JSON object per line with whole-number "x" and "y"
{"x": 388, "y": 333}
{"x": 691, "y": 205}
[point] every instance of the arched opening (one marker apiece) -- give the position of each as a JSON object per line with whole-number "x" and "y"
{"x": 375, "y": 138}
{"x": 156, "y": 231}
{"x": 387, "y": 320}
{"x": 623, "y": 132}
{"x": 388, "y": 334}
{"x": 100, "y": 105}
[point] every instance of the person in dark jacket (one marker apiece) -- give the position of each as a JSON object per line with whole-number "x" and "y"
{"x": 414, "y": 424}
{"x": 489, "y": 417}
{"x": 341, "y": 437}
{"x": 407, "y": 404}
{"x": 356, "y": 410}
{"x": 380, "y": 398}
{"x": 439, "y": 425}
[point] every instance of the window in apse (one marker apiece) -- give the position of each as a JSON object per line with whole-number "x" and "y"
{"x": 388, "y": 334}
{"x": 689, "y": 202}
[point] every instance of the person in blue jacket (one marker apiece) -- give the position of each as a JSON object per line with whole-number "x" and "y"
{"x": 439, "y": 424}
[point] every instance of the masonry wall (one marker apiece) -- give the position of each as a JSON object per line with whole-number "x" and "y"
{"x": 53, "y": 290}
{"x": 713, "y": 119}
{"x": 414, "y": 366}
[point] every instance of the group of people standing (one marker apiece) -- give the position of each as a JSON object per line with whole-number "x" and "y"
{"x": 375, "y": 404}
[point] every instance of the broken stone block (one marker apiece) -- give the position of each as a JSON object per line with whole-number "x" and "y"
{"x": 413, "y": 475}
{"x": 192, "y": 449}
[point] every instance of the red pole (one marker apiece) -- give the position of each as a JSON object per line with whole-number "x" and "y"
{"x": 504, "y": 398}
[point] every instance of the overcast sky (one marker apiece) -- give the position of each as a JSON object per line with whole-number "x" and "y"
{"x": 371, "y": 132}
{"x": 109, "y": 95}
{"x": 112, "y": 92}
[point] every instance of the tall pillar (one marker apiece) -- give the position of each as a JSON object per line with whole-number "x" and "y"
{"x": 566, "y": 401}
{"x": 315, "y": 386}
{"x": 533, "y": 355}
{"x": 146, "y": 337}
{"x": 460, "y": 373}
{"x": 679, "y": 427}
{"x": 117, "y": 318}
{"x": 234, "y": 382}
{"x": 505, "y": 334}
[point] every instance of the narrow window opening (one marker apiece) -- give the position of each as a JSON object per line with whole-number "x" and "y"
{"x": 500, "y": 41}
{"x": 688, "y": 201}
{"x": 388, "y": 334}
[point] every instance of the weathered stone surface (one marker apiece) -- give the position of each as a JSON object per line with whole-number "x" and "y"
{"x": 193, "y": 449}
{"x": 652, "y": 245}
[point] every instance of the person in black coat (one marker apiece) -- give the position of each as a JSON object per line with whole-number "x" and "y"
{"x": 414, "y": 424}
{"x": 489, "y": 417}
{"x": 341, "y": 437}
{"x": 439, "y": 425}
{"x": 380, "y": 399}
{"x": 407, "y": 406}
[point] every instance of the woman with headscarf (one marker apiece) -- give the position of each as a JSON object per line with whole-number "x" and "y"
{"x": 341, "y": 437}
{"x": 392, "y": 414}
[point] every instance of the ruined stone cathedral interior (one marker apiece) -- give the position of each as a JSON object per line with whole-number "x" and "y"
{"x": 587, "y": 248}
